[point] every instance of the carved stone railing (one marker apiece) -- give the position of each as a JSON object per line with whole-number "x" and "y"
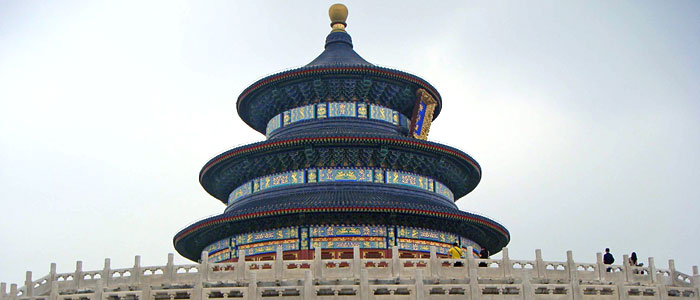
{"x": 356, "y": 278}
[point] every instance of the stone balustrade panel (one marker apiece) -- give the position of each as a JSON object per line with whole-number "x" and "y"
{"x": 356, "y": 278}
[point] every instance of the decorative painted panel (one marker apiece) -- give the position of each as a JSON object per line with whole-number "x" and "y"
{"x": 335, "y": 237}
{"x": 342, "y": 230}
{"x": 362, "y": 110}
{"x": 381, "y": 113}
{"x": 218, "y": 246}
{"x": 425, "y": 234}
{"x": 348, "y": 242}
{"x": 241, "y": 191}
{"x": 302, "y": 113}
{"x": 321, "y": 110}
{"x": 336, "y": 109}
{"x": 269, "y": 235}
{"x": 403, "y": 178}
{"x": 270, "y": 246}
{"x": 420, "y": 245}
{"x": 219, "y": 250}
{"x": 311, "y": 175}
{"x": 286, "y": 118}
{"x": 275, "y": 122}
{"x": 444, "y": 191}
{"x": 341, "y": 109}
{"x": 325, "y": 175}
{"x": 391, "y": 236}
{"x": 282, "y": 179}
{"x": 304, "y": 238}
{"x": 339, "y": 174}
{"x": 219, "y": 256}
{"x": 422, "y": 114}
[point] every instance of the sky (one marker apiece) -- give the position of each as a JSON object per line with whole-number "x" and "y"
{"x": 584, "y": 116}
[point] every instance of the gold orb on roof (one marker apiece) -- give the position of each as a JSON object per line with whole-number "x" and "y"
{"x": 338, "y": 14}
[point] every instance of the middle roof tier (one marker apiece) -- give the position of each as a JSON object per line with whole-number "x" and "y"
{"x": 449, "y": 166}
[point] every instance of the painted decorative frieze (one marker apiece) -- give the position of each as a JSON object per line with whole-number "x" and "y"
{"x": 336, "y": 110}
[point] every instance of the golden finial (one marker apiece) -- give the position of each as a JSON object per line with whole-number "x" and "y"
{"x": 338, "y": 14}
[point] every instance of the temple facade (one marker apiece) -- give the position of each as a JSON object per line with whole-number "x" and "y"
{"x": 346, "y": 163}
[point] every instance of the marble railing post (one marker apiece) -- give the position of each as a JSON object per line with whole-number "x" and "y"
{"x": 170, "y": 268}
{"x": 203, "y": 276}
{"x": 309, "y": 291}
{"x": 13, "y": 291}
{"x": 54, "y": 291}
{"x": 573, "y": 276}
{"x": 395, "y": 263}
{"x": 661, "y": 288}
{"x": 144, "y": 285}
{"x": 78, "y": 275}
{"x": 474, "y": 288}
{"x": 364, "y": 284}
{"x": 318, "y": 266}
{"x": 28, "y": 285}
{"x": 507, "y": 266}
{"x": 99, "y": 289}
{"x": 136, "y": 271}
{"x": 240, "y": 265}
{"x": 106, "y": 272}
{"x": 356, "y": 262}
{"x": 626, "y": 267}
{"x": 420, "y": 285}
{"x": 435, "y": 264}
{"x": 539, "y": 264}
{"x": 253, "y": 286}
{"x": 204, "y": 266}
{"x": 696, "y": 278}
{"x": 471, "y": 262}
{"x": 279, "y": 262}
{"x": 3, "y": 290}
{"x": 52, "y": 274}
{"x": 672, "y": 270}
{"x": 652, "y": 270}
{"x": 601, "y": 265}
{"x": 528, "y": 290}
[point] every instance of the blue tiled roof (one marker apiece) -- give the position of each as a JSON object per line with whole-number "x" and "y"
{"x": 339, "y": 52}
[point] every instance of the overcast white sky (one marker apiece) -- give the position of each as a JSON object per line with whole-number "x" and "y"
{"x": 584, "y": 115}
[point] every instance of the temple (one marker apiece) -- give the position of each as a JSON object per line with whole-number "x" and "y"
{"x": 346, "y": 199}
{"x": 346, "y": 163}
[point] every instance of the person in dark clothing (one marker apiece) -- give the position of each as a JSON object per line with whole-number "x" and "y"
{"x": 633, "y": 263}
{"x": 484, "y": 254}
{"x": 633, "y": 259}
{"x": 608, "y": 259}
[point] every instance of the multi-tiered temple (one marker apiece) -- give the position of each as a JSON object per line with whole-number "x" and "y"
{"x": 345, "y": 164}
{"x": 345, "y": 198}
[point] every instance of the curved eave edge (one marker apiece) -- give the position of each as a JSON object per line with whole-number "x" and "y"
{"x": 326, "y": 70}
{"x": 267, "y": 145}
{"x": 213, "y": 221}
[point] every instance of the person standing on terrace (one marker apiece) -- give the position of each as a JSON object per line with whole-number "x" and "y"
{"x": 608, "y": 259}
{"x": 456, "y": 253}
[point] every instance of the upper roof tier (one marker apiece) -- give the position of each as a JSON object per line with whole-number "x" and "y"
{"x": 337, "y": 74}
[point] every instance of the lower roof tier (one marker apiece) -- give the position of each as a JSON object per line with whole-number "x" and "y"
{"x": 449, "y": 166}
{"x": 337, "y": 207}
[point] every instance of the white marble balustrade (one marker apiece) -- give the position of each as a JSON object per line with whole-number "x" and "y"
{"x": 357, "y": 278}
